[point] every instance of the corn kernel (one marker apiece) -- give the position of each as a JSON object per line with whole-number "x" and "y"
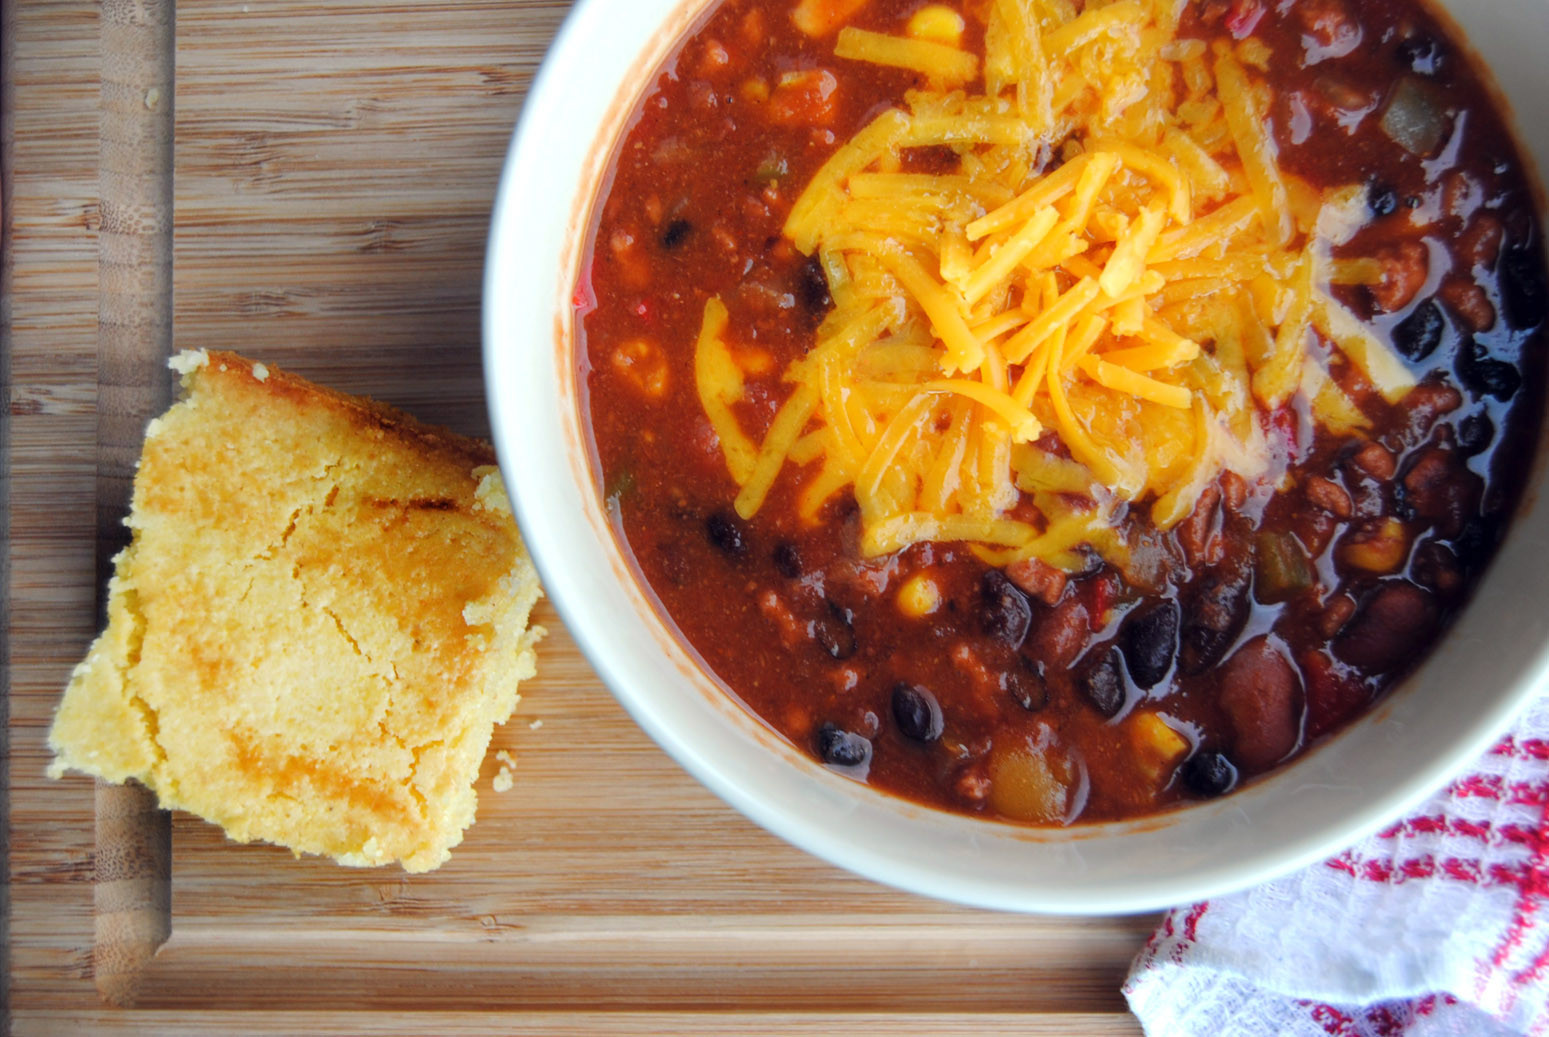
{"x": 755, "y": 90}
{"x": 1158, "y": 748}
{"x": 919, "y": 596}
{"x": 938, "y": 24}
{"x": 1383, "y": 552}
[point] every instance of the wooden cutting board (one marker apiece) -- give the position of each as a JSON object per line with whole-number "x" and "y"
{"x": 309, "y": 183}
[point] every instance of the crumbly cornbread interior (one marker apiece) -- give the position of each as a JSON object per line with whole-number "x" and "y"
{"x": 321, "y": 617}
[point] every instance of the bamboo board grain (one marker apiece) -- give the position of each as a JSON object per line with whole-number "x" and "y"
{"x": 333, "y": 167}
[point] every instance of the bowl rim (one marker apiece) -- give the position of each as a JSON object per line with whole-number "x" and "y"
{"x": 848, "y": 824}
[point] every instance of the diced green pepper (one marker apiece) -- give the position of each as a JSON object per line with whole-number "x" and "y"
{"x": 1281, "y": 569}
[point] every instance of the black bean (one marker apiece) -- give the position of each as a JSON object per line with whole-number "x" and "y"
{"x": 1149, "y": 642}
{"x": 1422, "y": 54}
{"x": 1209, "y": 775}
{"x": 675, "y": 233}
{"x": 1403, "y": 507}
{"x": 1522, "y": 287}
{"x": 1024, "y": 682}
{"x": 787, "y": 560}
{"x": 1381, "y": 199}
{"x": 1483, "y": 375}
{"x": 1103, "y": 685}
{"x": 1476, "y": 541}
{"x": 1214, "y": 613}
{"x": 835, "y": 633}
{"x": 725, "y": 532}
{"x": 843, "y": 748}
{"x": 812, "y": 288}
{"x": 1418, "y": 335}
{"x": 1004, "y": 612}
{"x": 1475, "y": 434}
{"x": 916, "y": 712}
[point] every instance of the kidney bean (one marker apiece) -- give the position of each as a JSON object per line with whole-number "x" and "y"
{"x": 1394, "y": 621}
{"x": 1260, "y": 695}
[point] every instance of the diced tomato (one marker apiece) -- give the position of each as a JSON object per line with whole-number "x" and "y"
{"x": 804, "y": 98}
{"x": 1102, "y": 597}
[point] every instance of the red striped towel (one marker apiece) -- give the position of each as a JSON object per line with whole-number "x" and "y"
{"x": 1434, "y": 925}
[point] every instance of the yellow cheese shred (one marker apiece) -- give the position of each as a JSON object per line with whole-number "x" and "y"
{"x": 1092, "y": 313}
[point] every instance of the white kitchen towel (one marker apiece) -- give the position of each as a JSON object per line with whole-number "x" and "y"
{"x": 1435, "y": 925}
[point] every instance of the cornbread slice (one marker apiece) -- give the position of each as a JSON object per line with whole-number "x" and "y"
{"x": 321, "y": 617}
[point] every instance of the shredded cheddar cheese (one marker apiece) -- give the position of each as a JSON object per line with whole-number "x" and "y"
{"x": 1096, "y": 312}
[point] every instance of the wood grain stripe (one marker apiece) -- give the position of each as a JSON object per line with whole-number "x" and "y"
{"x": 134, "y": 338}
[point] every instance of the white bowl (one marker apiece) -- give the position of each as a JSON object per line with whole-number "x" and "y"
{"x": 1488, "y": 663}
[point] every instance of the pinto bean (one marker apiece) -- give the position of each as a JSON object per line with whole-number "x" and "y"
{"x": 1438, "y": 487}
{"x": 1060, "y": 635}
{"x": 1328, "y": 495}
{"x": 1374, "y": 460}
{"x": 1426, "y": 403}
{"x": 1480, "y": 243}
{"x": 1396, "y": 619}
{"x": 1436, "y": 567}
{"x": 1404, "y": 269}
{"x": 1469, "y": 302}
{"x": 1261, "y": 695}
{"x": 1194, "y": 532}
{"x": 1038, "y": 579}
{"x": 1335, "y": 615}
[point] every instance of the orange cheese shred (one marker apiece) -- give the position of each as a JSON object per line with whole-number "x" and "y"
{"x": 1094, "y": 310}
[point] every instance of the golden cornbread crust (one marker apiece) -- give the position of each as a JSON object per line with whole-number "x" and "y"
{"x": 321, "y": 617}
